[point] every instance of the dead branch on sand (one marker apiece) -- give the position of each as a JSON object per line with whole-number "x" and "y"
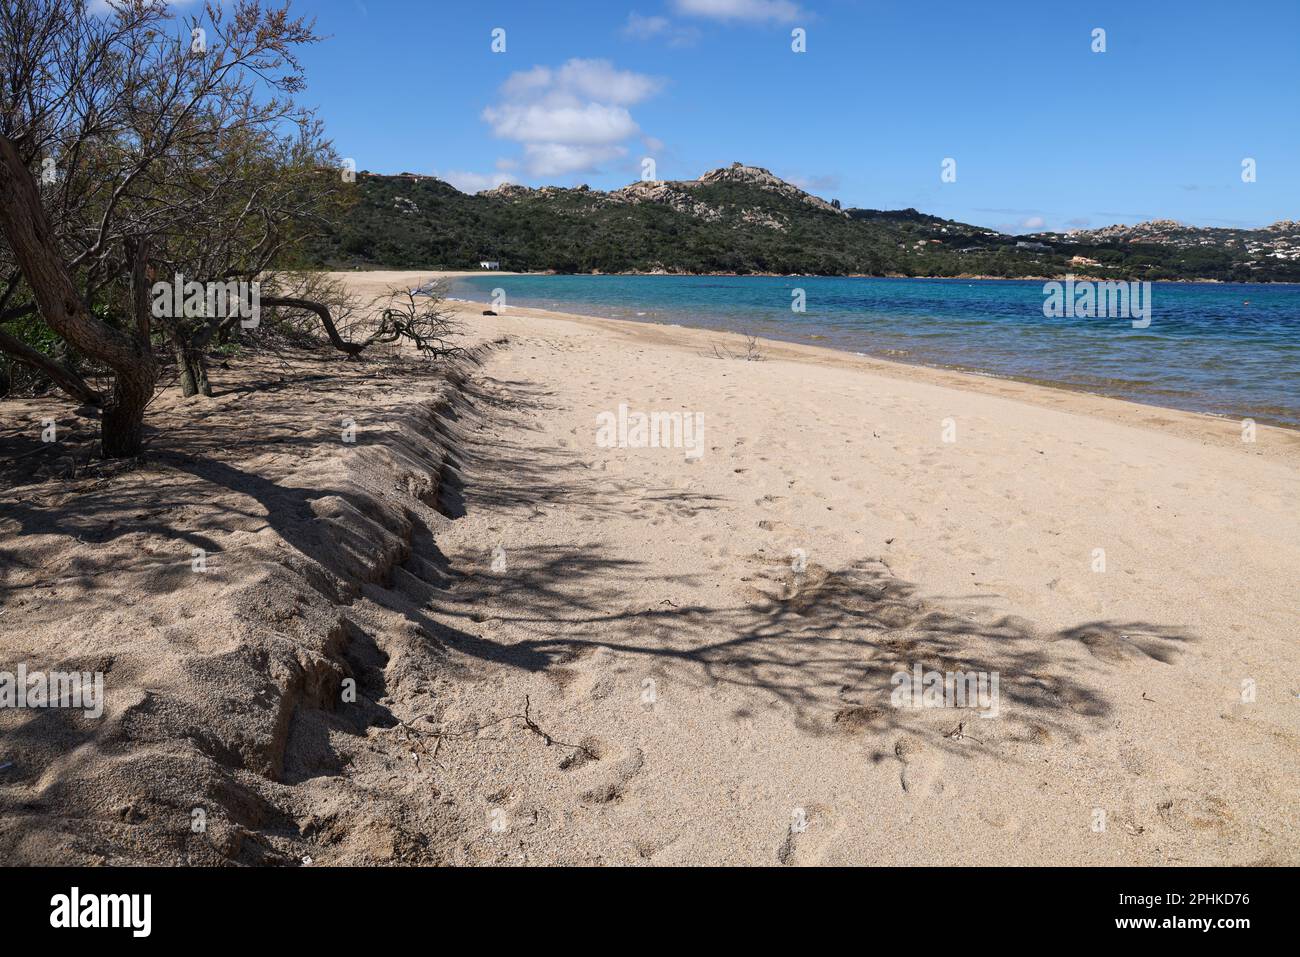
{"x": 525, "y": 717}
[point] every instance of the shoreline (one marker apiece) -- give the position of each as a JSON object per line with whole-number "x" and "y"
{"x": 1125, "y": 410}
{"x": 965, "y": 277}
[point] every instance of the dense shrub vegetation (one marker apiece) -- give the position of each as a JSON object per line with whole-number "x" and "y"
{"x": 423, "y": 223}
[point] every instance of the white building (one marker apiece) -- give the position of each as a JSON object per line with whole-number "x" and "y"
{"x": 489, "y": 264}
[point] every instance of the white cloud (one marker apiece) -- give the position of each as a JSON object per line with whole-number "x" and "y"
{"x": 570, "y": 118}
{"x": 599, "y": 80}
{"x": 1033, "y": 222}
{"x": 577, "y": 79}
{"x": 591, "y": 123}
{"x": 659, "y": 28}
{"x": 525, "y": 82}
{"x": 646, "y": 28}
{"x": 560, "y": 159}
{"x": 754, "y": 10}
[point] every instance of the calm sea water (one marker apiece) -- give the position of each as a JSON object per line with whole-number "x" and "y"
{"x": 1230, "y": 350}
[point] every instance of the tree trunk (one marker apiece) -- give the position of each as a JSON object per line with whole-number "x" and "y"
{"x": 191, "y": 365}
{"x": 122, "y": 430}
{"x": 27, "y": 230}
{"x": 137, "y": 254}
{"x": 201, "y": 374}
{"x": 184, "y": 369}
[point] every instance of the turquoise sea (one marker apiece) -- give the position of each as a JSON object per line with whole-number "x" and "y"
{"x": 1225, "y": 349}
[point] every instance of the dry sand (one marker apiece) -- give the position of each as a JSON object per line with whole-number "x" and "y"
{"x": 565, "y": 653}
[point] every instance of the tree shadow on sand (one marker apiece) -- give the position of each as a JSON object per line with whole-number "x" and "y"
{"x": 824, "y": 644}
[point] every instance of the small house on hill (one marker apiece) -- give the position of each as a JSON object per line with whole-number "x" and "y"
{"x": 489, "y": 264}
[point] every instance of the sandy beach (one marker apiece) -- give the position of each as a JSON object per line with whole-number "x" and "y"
{"x": 568, "y": 650}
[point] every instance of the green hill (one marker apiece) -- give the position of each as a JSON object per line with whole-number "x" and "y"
{"x": 742, "y": 219}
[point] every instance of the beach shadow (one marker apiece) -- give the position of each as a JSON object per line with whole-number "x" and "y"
{"x": 823, "y": 644}
{"x": 173, "y": 492}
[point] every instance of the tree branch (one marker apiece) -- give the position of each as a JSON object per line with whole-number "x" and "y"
{"x": 352, "y": 349}
{"x": 60, "y": 375}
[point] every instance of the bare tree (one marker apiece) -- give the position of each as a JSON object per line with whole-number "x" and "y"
{"x": 353, "y": 326}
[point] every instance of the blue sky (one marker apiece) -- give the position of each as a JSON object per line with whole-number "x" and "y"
{"x": 1046, "y": 133}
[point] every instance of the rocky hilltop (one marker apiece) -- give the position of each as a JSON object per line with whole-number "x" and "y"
{"x": 681, "y": 195}
{"x": 1280, "y": 241}
{"x": 763, "y": 179}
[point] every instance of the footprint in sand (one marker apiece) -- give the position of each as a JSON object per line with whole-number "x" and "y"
{"x": 1196, "y": 812}
{"x": 809, "y": 835}
{"x": 919, "y": 776}
{"x": 613, "y": 788}
{"x": 1002, "y": 820}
